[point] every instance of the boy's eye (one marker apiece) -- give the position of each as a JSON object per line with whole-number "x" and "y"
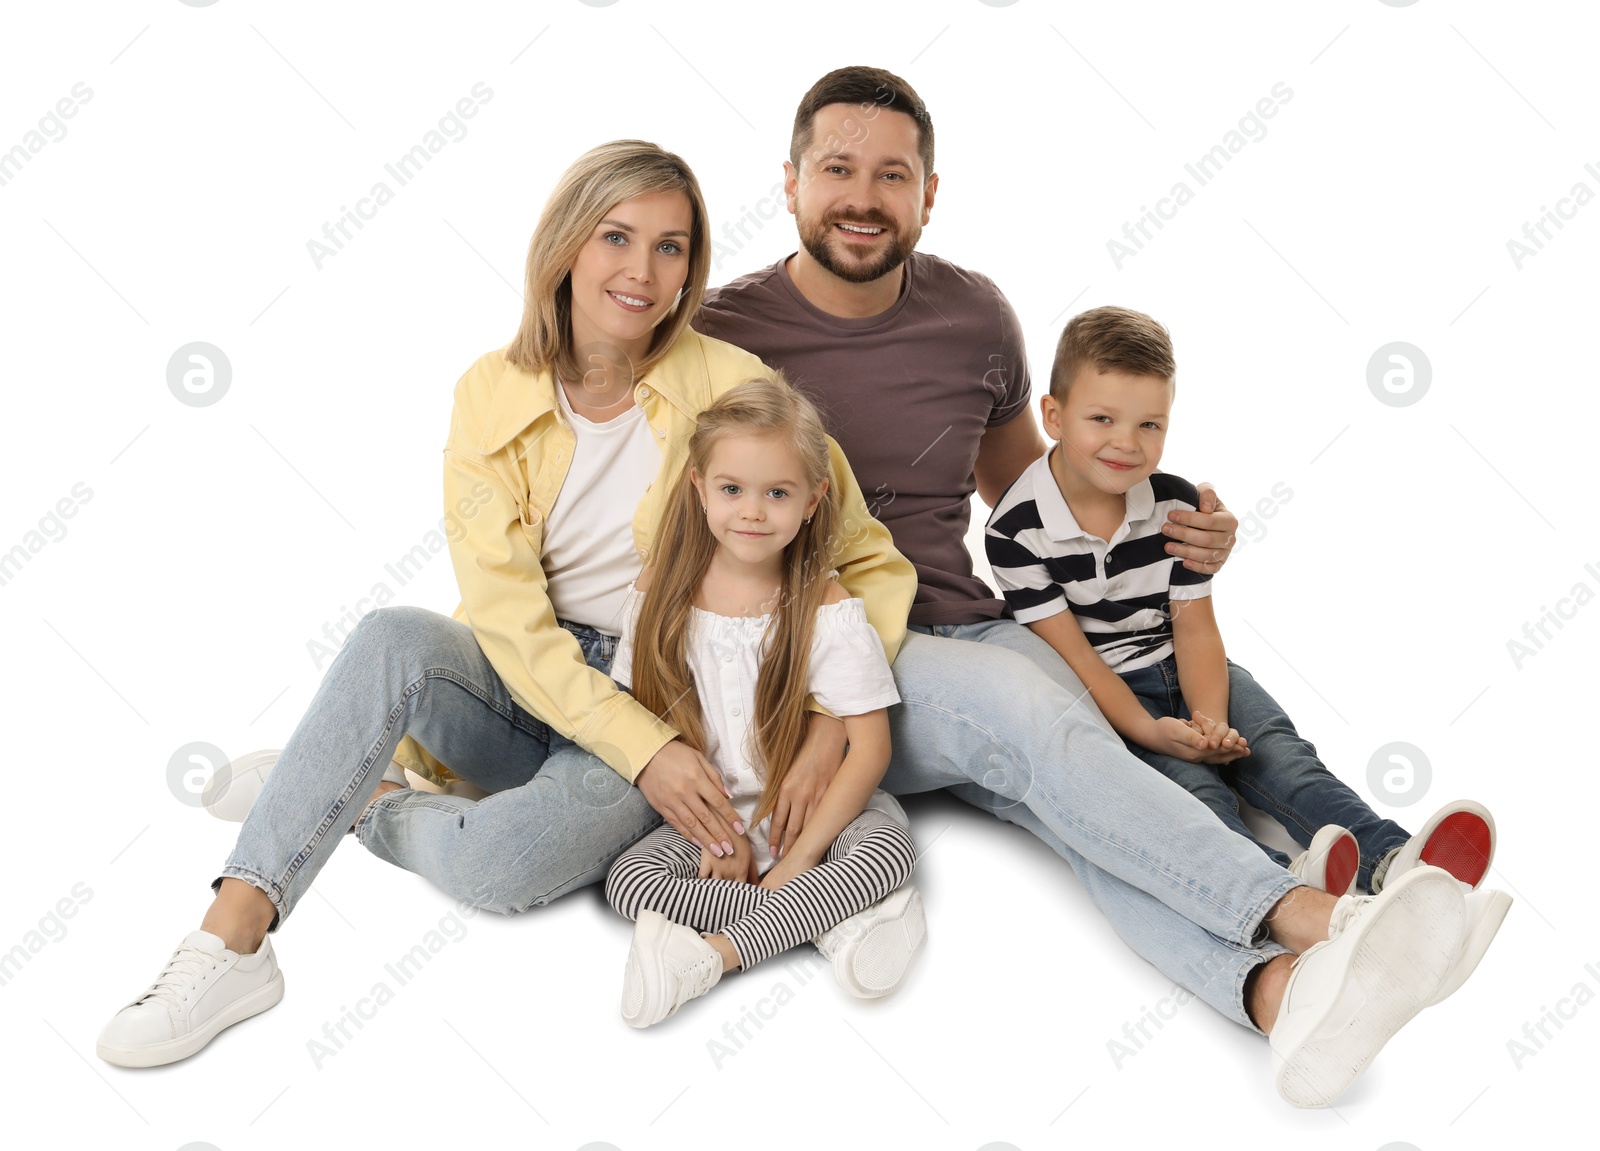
{"x": 1101, "y": 419}
{"x": 1152, "y": 425}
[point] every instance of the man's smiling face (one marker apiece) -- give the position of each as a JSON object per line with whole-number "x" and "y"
{"x": 860, "y": 196}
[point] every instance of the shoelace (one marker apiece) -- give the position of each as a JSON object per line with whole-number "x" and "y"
{"x": 703, "y": 974}
{"x": 180, "y": 973}
{"x": 1343, "y": 912}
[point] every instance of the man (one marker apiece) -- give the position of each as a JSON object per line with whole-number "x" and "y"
{"x": 919, "y": 368}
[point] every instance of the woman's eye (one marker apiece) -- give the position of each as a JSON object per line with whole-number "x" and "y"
{"x": 610, "y": 236}
{"x": 670, "y": 248}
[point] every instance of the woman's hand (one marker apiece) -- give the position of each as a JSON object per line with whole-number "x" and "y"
{"x": 686, "y": 789}
{"x": 739, "y": 866}
{"x": 1203, "y": 538}
{"x": 813, "y": 769}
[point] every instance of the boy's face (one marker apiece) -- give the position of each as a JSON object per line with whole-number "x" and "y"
{"x": 1112, "y": 427}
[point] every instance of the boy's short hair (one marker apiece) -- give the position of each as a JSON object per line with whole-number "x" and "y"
{"x": 1111, "y": 339}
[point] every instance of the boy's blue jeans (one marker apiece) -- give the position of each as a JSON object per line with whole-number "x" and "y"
{"x": 1282, "y": 774}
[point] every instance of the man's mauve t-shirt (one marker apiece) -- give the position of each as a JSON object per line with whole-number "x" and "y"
{"x": 908, "y": 394}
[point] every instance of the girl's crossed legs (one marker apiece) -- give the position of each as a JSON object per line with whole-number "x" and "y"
{"x": 872, "y": 857}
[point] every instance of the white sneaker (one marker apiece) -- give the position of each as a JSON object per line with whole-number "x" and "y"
{"x": 1484, "y": 911}
{"x": 204, "y": 989}
{"x": 668, "y": 965}
{"x": 1459, "y": 837}
{"x": 873, "y": 949}
{"x": 233, "y": 790}
{"x": 1383, "y": 961}
{"x": 1331, "y": 862}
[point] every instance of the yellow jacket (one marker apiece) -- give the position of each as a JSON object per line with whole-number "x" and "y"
{"x": 504, "y": 463}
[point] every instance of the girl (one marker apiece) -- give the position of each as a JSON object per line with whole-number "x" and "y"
{"x": 724, "y": 637}
{"x": 560, "y": 447}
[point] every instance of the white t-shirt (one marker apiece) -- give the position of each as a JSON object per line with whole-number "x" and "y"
{"x": 588, "y": 556}
{"x": 848, "y": 674}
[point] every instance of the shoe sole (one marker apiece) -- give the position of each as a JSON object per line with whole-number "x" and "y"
{"x": 1462, "y": 844}
{"x": 159, "y": 1054}
{"x": 1331, "y": 862}
{"x": 1344, "y": 861}
{"x": 877, "y": 964}
{"x": 1474, "y": 945}
{"x": 1398, "y": 961}
{"x": 651, "y": 930}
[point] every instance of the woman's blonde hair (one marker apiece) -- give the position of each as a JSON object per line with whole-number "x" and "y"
{"x": 598, "y": 181}
{"x": 683, "y": 548}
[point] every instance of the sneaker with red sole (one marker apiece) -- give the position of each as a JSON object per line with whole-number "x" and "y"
{"x": 1331, "y": 862}
{"x": 1459, "y": 838}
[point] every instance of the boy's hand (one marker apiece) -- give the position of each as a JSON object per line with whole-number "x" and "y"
{"x": 1178, "y": 739}
{"x": 1223, "y": 744}
{"x": 739, "y": 867}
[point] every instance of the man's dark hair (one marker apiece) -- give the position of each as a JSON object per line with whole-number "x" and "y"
{"x": 874, "y": 90}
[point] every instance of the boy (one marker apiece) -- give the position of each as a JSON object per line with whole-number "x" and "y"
{"x": 1076, "y": 547}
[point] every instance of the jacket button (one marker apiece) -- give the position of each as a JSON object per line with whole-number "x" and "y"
{"x": 644, "y": 393}
{"x": 661, "y": 433}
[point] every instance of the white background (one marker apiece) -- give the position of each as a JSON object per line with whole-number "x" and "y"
{"x": 1377, "y": 601}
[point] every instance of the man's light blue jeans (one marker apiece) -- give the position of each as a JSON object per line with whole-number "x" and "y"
{"x": 990, "y": 711}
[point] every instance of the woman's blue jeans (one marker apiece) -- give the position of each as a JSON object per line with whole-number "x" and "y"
{"x": 555, "y": 820}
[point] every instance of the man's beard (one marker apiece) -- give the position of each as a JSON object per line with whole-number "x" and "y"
{"x": 816, "y": 240}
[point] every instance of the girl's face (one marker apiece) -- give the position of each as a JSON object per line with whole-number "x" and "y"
{"x": 628, "y": 274}
{"x": 756, "y": 496}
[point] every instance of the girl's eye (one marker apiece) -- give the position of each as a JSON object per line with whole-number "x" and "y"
{"x": 729, "y": 489}
{"x": 777, "y": 493}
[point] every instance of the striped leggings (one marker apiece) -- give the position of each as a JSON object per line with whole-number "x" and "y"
{"x": 871, "y": 857}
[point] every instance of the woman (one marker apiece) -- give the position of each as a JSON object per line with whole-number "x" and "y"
{"x": 552, "y": 497}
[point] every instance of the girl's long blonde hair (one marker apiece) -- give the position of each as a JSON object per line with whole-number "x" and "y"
{"x": 598, "y": 181}
{"x": 683, "y": 548}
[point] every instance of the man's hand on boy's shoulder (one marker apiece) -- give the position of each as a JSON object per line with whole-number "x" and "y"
{"x": 1202, "y": 538}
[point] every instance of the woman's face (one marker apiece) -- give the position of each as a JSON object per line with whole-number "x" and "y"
{"x": 628, "y": 273}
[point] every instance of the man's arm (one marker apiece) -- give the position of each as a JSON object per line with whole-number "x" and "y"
{"x": 1004, "y": 453}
